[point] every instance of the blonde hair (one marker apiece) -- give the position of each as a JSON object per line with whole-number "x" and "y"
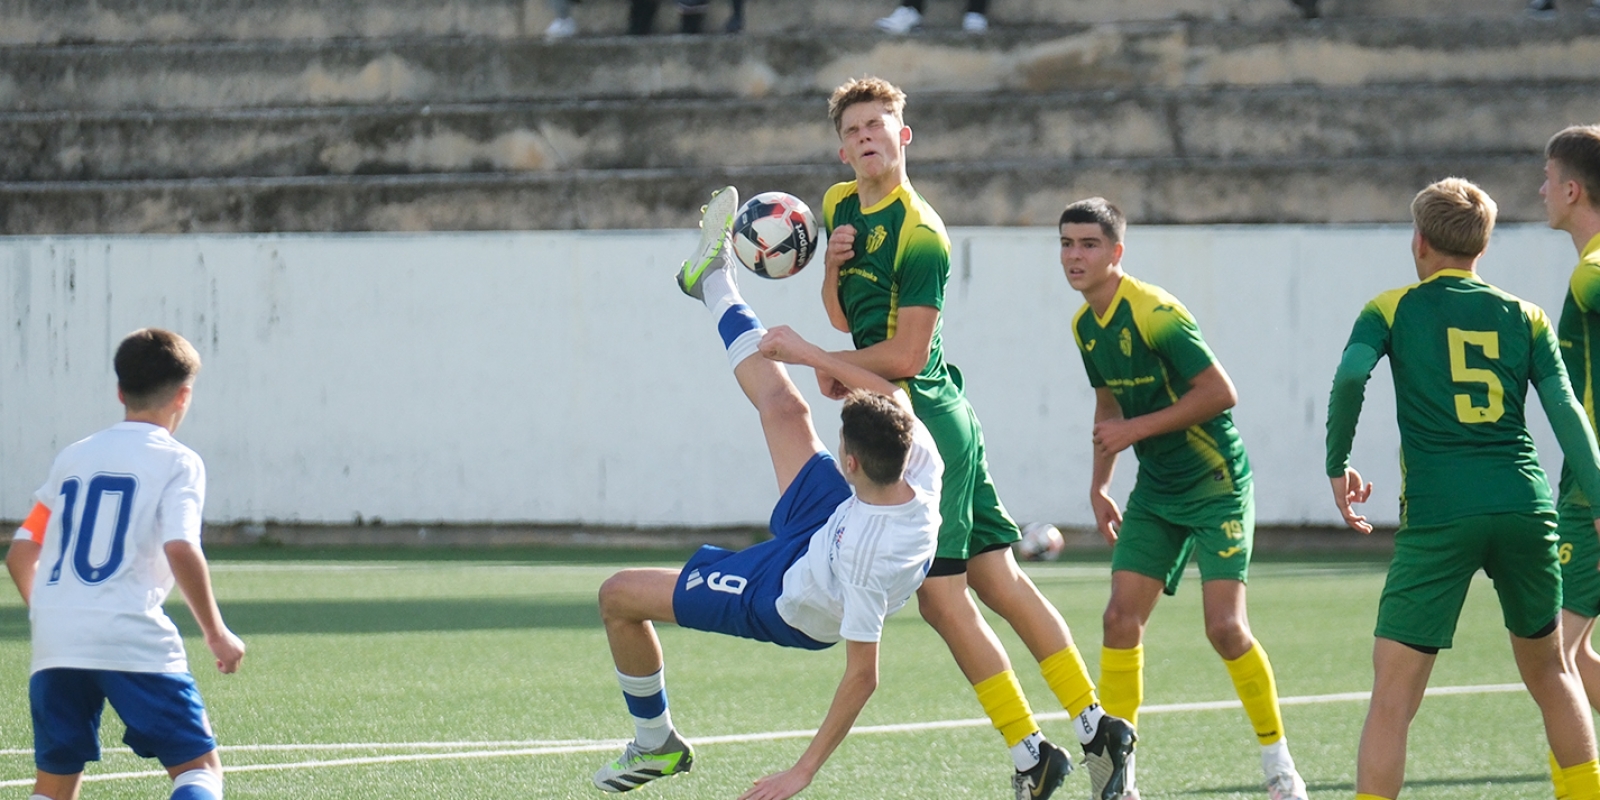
{"x": 866, "y": 90}
{"x": 1455, "y": 217}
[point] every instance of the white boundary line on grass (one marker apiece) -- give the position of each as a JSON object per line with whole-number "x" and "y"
{"x": 567, "y": 747}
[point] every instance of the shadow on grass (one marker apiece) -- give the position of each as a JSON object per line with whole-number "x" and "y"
{"x": 373, "y": 616}
{"x": 1348, "y": 788}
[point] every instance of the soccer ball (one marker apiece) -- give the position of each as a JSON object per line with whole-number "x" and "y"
{"x": 774, "y": 234}
{"x": 1040, "y": 542}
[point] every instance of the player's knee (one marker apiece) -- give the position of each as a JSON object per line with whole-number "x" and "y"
{"x": 613, "y": 594}
{"x": 1118, "y": 620}
{"x": 1228, "y": 635}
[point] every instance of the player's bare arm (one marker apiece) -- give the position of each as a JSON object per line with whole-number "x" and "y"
{"x": 782, "y": 343}
{"x": 22, "y": 561}
{"x": 1348, "y": 490}
{"x": 860, "y": 680}
{"x": 841, "y": 248}
{"x": 1210, "y": 393}
{"x": 904, "y": 354}
{"x": 189, "y": 571}
{"x": 1107, "y": 516}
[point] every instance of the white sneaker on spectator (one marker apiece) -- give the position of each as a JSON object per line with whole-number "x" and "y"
{"x": 905, "y": 19}
{"x": 974, "y": 22}
{"x": 562, "y": 28}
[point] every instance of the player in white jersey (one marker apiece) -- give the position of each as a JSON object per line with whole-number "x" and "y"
{"x": 853, "y": 536}
{"x": 118, "y": 523}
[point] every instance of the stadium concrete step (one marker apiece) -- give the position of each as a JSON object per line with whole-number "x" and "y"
{"x": 987, "y": 192}
{"x": 1035, "y": 59}
{"x": 80, "y": 21}
{"x": 1280, "y": 122}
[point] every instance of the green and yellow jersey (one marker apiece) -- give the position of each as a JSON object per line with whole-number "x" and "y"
{"x": 1146, "y": 349}
{"x": 1463, "y": 354}
{"x": 902, "y": 258}
{"x": 1579, "y": 334}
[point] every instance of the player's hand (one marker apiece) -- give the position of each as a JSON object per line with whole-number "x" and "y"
{"x": 831, "y": 387}
{"x": 1107, "y": 517}
{"x": 1347, "y": 491}
{"x": 841, "y": 247}
{"x": 228, "y": 648}
{"x": 779, "y": 785}
{"x": 783, "y": 344}
{"x": 1112, "y": 436}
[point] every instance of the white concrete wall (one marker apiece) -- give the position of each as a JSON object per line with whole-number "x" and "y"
{"x": 560, "y": 377}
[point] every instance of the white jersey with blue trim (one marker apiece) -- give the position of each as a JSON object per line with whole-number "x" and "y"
{"x": 115, "y": 499}
{"x": 868, "y": 560}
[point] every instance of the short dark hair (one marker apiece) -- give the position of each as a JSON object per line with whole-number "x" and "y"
{"x": 151, "y": 364}
{"x": 877, "y": 431}
{"x": 1577, "y": 151}
{"x": 1097, "y": 211}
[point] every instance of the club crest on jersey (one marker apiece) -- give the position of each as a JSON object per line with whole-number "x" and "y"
{"x": 1125, "y": 339}
{"x": 876, "y": 239}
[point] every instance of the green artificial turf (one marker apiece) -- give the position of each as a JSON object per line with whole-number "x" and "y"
{"x": 473, "y": 661}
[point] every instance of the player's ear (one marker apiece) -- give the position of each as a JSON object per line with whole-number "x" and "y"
{"x": 842, "y": 159}
{"x": 905, "y": 135}
{"x": 1116, "y": 253}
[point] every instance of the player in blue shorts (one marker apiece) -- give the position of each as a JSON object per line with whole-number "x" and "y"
{"x": 853, "y": 537}
{"x": 118, "y": 523}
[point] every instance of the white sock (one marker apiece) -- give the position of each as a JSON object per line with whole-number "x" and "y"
{"x": 647, "y": 704}
{"x": 1087, "y": 723}
{"x": 1275, "y": 758}
{"x": 741, "y": 332}
{"x": 38, "y": 797}
{"x": 197, "y": 784}
{"x": 1026, "y": 752}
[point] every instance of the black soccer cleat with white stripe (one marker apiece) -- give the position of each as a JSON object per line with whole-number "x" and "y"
{"x": 636, "y": 767}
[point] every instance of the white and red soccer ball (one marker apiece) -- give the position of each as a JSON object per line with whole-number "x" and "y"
{"x": 1040, "y": 541}
{"x": 774, "y": 234}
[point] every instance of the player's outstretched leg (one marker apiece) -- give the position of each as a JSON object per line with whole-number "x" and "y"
{"x": 709, "y": 277}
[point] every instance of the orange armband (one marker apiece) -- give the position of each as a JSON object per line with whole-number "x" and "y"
{"x": 37, "y": 521}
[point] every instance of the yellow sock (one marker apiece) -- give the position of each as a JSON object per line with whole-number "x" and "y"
{"x": 1556, "y": 778}
{"x": 1258, "y": 691}
{"x": 1582, "y": 781}
{"x": 1122, "y": 682}
{"x": 1001, "y": 697}
{"x": 1371, "y": 797}
{"x": 1069, "y": 679}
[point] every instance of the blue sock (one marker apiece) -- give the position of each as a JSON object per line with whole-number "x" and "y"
{"x": 741, "y": 332}
{"x": 646, "y": 696}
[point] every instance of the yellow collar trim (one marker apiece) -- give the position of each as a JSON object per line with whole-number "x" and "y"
{"x": 901, "y": 192}
{"x": 1454, "y": 273}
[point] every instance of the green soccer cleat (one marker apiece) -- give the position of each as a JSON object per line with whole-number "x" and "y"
{"x": 1042, "y": 781}
{"x": 636, "y": 767}
{"x": 1109, "y": 758}
{"x": 713, "y": 251}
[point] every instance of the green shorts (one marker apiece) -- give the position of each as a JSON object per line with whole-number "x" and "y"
{"x": 1157, "y": 543}
{"x": 1434, "y": 564}
{"x": 973, "y": 518}
{"x": 1579, "y": 552}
